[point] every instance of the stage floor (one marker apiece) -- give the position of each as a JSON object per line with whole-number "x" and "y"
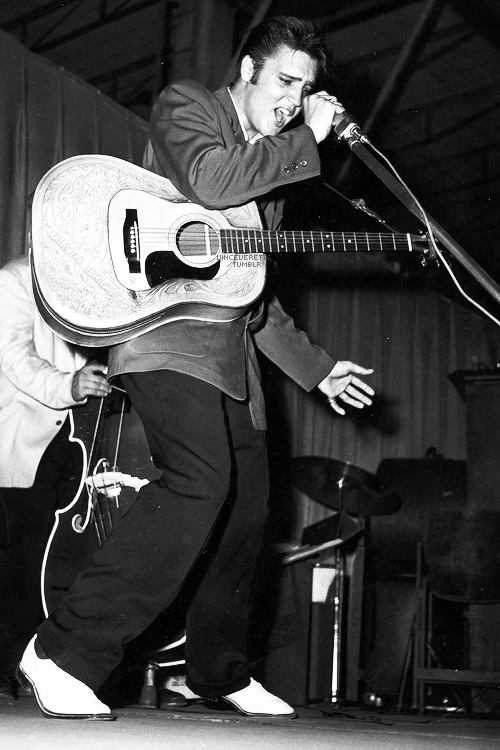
{"x": 22, "y": 726}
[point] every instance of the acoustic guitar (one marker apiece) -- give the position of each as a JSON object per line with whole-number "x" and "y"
{"x": 117, "y": 251}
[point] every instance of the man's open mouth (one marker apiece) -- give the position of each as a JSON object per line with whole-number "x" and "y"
{"x": 281, "y": 115}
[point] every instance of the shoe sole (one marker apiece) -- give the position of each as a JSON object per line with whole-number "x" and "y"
{"x": 264, "y": 716}
{"x": 26, "y": 682}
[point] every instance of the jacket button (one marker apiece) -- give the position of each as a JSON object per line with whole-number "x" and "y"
{"x": 295, "y": 166}
{"x": 303, "y": 163}
{"x": 59, "y": 421}
{"x": 287, "y": 170}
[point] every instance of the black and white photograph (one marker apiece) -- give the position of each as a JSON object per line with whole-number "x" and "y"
{"x": 250, "y": 374}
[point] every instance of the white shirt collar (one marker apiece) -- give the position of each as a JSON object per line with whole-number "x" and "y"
{"x": 256, "y": 137}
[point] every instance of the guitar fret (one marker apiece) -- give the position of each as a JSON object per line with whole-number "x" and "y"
{"x": 247, "y": 241}
{"x": 265, "y": 242}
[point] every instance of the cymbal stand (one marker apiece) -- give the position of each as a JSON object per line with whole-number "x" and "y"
{"x": 338, "y": 596}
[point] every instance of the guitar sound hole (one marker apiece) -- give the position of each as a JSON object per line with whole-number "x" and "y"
{"x": 196, "y": 238}
{"x": 162, "y": 267}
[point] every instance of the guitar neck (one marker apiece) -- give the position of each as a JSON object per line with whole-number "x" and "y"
{"x": 261, "y": 241}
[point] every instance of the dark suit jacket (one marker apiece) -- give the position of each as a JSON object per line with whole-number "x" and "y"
{"x": 196, "y": 142}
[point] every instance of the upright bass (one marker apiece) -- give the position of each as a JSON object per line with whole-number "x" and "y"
{"x": 115, "y": 464}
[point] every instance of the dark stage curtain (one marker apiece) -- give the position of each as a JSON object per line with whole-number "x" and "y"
{"x": 413, "y": 339}
{"x": 46, "y": 115}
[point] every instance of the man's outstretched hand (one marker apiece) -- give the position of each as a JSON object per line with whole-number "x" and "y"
{"x": 343, "y": 384}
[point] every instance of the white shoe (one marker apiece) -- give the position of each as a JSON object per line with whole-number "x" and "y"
{"x": 254, "y": 700}
{"x": 59, "y": 695}
{"x": 177, "y": 684}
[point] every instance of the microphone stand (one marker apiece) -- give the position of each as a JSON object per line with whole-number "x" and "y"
{"x": 355, "y": 144}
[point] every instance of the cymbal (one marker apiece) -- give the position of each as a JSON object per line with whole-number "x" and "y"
{"x": 343, "y": 486}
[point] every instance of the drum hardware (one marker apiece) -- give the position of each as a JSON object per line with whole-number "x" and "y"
{"x": 354, "y": 494}
{"x": 343, "y": 486}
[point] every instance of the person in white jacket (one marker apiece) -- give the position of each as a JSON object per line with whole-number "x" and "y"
{"x": 41, "y": 378}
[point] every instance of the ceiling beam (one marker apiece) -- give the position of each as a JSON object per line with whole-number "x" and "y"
{"x": 449, "y": 35}
{"x": 115, "y": 15}
{"x": 483, "y": 16}
{"x": 447, "y": 162}
{"x": 491, "y": 90}
{"x": 164, "y": 51}
{"x": 435, "y": 135}
{"x": 395, "y": 84}
{"x": 258, "y": 16}
{"x": 391, "y": 91}
{"x": 365, "y": 12}
{"x": 143, "y": 62}
{"x": 33, "y": 15}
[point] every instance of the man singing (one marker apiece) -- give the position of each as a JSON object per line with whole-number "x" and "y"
{"x": 196, "y": 387}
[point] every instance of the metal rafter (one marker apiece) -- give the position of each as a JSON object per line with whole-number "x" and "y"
{"x": 69, "y": 12}
{"x": 439, "y": 35}
{"x": 258, "y": 15}
{"x": 405, "y": 65}
{"x": 394, "y": 85}
{"x": 438, "y": 105}
{"x": 482, "y": 15}
{"x": 34, "y": 15}
{"x": 461, "y": 125}
{"x": 123, "y": 70}
{"x": 365, "y": 12}
{"x": 164, "y": 52}
{"x": 124, "y": 10}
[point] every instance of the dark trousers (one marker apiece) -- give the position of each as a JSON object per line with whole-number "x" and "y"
{"x": 27, "y": 516}
{"x": 208, "y": 507}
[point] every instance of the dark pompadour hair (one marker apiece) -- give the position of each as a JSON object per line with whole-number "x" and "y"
{"x": 298, "y": 34}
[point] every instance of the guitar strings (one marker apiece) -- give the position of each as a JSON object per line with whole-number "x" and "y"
{"x": 152, "y": 237}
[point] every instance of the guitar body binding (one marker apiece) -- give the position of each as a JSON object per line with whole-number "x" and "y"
{"x": 82, "y": 282}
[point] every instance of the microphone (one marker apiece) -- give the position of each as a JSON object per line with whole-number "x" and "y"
{"x": 349, "y": 130}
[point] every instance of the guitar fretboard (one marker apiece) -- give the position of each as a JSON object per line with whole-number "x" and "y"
{"x": 261, "y": 241}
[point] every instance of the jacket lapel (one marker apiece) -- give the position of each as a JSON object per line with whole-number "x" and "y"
{"x": 227, "y": 103}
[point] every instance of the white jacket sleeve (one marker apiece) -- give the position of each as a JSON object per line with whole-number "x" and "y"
{"x": 32, "y": 358}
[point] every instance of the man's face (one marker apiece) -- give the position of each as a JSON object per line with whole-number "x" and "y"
{"x": 276, "y": 98}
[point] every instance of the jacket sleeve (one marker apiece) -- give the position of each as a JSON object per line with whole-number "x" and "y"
{"x": 194, "y": 146}
{"x": 20, "y": 363}
{"x": 290, "y": 348}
